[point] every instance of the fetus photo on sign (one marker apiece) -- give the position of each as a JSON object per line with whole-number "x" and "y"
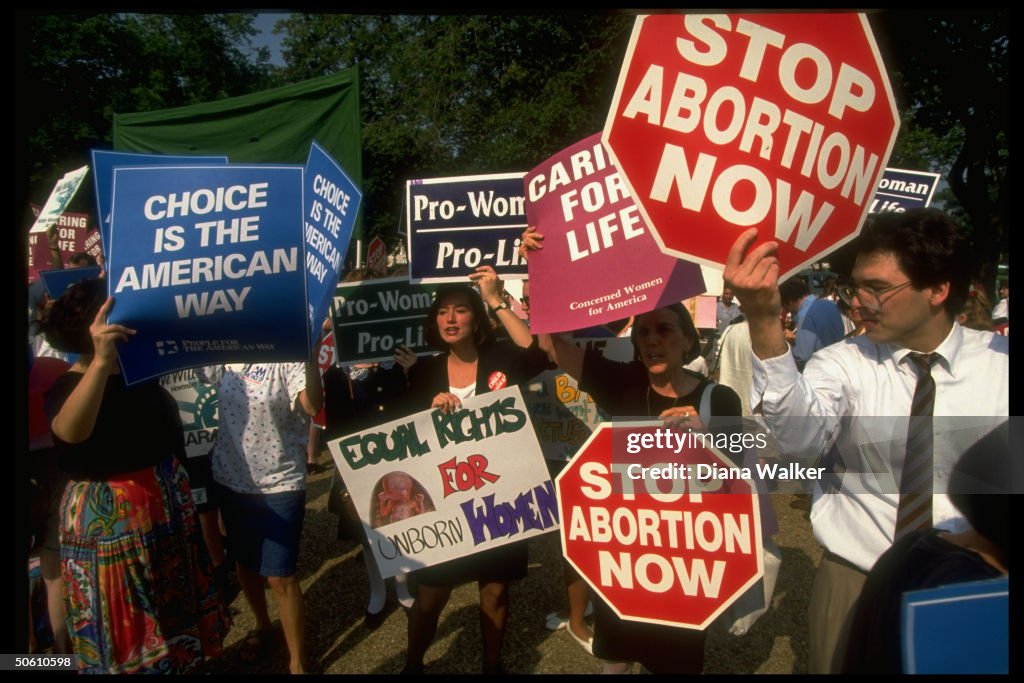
{"x": 398, "y": 496}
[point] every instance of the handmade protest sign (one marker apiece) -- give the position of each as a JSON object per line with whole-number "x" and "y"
{"x": 74, "y": 234}
{"x": 722, "y": 122}
{"x": 456, "y": 224}
{"x": 206, "y": 264}
{"x": 564, "y": 416}
{"x": 432, "y": 487}
{"x": 599, "y": 262}
{"x": 666, "y": 532}
{"x": 332, "y": 202}
{"x": 372, "y": 318}
{"x": 104, "y": 163}
{"x": 61, "y": 195}
{"x": 900, "y": 189}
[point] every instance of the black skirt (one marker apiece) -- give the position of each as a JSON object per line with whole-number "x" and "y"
{"x": 662, "y": 649}
{"x": 504, "y": 563}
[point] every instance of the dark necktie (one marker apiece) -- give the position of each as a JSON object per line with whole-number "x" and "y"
{"x": 915, "y": 506}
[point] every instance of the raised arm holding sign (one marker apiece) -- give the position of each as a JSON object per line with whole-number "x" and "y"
{"x": 332, "y": 202}
{"x": 124, "y": 443}
{"x": 602, "y": 264}
{"x": 722, "y": 122}
{"x": 208, "y": 262}
{"x": 472, "y": 363}
{"x": 913, "y": 362}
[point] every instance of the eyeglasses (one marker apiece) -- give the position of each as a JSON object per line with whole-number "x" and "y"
{"x": 525, "y": 300}
{"x": 870, "y": 297}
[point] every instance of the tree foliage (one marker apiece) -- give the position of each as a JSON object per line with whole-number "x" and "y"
{"x": 456, "y": 95}
{"x": 79, "y": 69}
{"x": 950, "y": 72}
{"x": 453, "y": 95}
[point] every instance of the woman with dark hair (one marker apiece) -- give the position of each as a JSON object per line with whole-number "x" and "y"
{"x": 471, "y": 363}
{"x": 139, "y": 593}
{"x": 655, "y": 384}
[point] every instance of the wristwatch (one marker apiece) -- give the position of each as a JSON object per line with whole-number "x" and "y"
{"x": 500, "y": 307}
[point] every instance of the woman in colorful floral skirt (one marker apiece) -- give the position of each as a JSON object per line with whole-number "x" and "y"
{"x": 137, "y": 578}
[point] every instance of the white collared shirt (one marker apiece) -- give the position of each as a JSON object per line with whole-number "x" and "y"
{"x": 857, "y": 394}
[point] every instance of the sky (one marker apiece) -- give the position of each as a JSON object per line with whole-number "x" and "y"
{"x": 265, "y": 23}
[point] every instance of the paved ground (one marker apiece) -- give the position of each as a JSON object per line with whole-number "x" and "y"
{"x": 333, "y": 580}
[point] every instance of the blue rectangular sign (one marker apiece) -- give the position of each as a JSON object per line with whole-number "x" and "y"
{"x": 332, "y": 202}
{"x": 103, "y": 164}
{"x": 56, "y": 281}
{"x": 456, "y": 224}
{"x": 961, "y": 628}
{"x": 900, "y": 189}
{"x": 206, "y": 264}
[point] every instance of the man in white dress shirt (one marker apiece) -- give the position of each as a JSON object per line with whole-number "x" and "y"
{"x": 911, "y": 277}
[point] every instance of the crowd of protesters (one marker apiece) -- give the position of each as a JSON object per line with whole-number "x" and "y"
{"x": 126, "y": 552}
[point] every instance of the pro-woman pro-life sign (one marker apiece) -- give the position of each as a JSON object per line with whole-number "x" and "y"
{"x": 432, "y": 487}
{"x": 457, "y": 224}
{"x": 207, "y": 265}
{"x": 372, "y": 318}
{"x": 332, "y": 202}
{"x": 599, "y": 262}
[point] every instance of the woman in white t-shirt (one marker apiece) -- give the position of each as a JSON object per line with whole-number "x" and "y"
{"x": 259, "y": 467}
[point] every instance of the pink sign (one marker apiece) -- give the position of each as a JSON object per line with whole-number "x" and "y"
{"x": 707, "y": 312}
{"x": 704, "y": 310}
{"x": 599, "y": 262}
{"x": 74, "y": 234}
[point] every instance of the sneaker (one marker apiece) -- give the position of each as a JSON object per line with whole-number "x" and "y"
{"x": 556, "y": 621}
{"x": 586, "y": 643}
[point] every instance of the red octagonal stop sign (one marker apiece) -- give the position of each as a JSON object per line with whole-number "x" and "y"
{"x": 780, "y": 121}
{"x": 663, "y": 537}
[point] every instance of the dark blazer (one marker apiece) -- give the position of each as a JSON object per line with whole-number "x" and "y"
{"x": 501, "y": 364}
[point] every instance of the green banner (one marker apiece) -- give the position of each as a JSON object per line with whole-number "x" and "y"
{"x": 372, "y": 318}
{"x": 272, "y": 126}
